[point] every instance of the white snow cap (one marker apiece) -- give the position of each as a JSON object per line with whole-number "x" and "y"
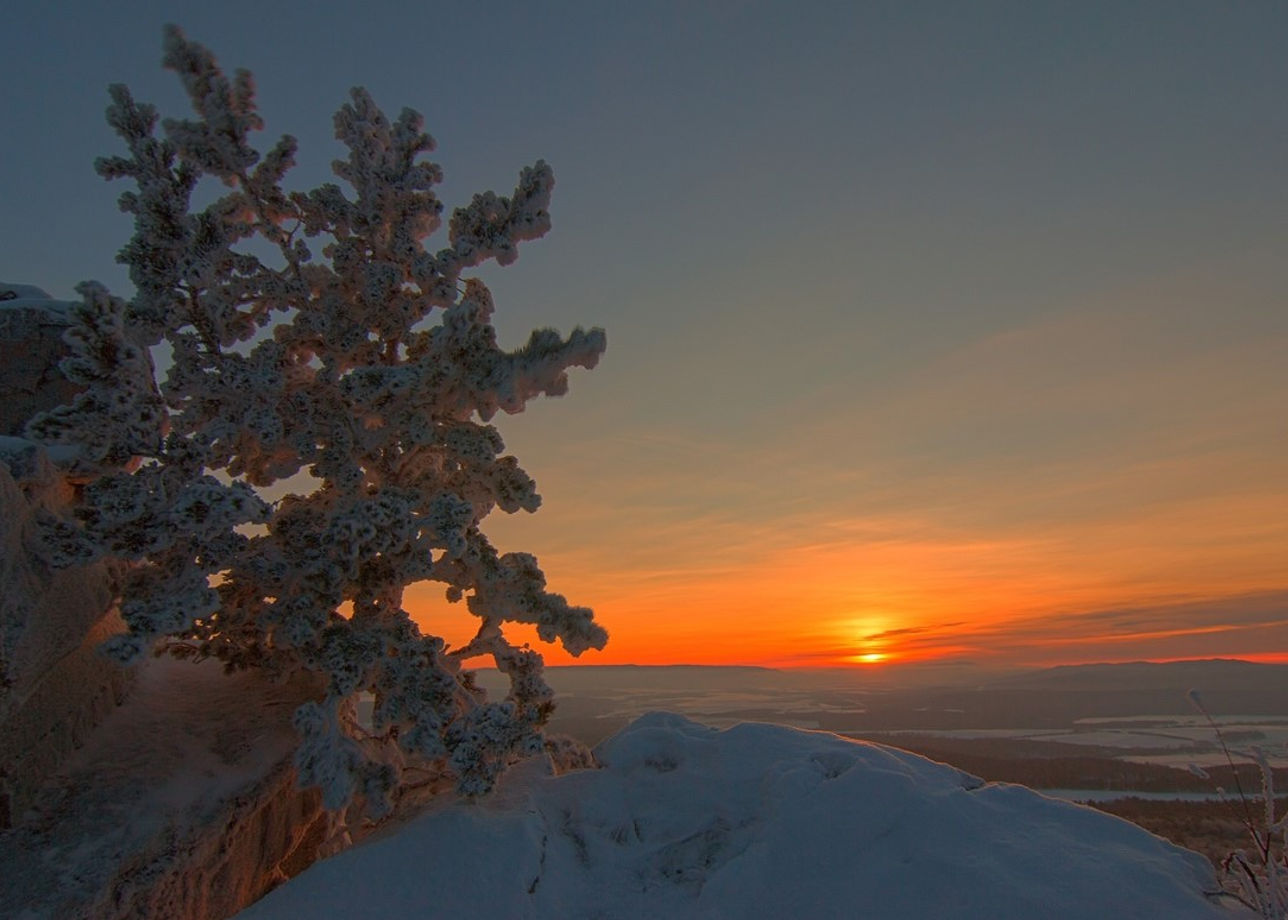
{"x": 15, "y": 296}
{"x": 758, "y": 821}
{"x": 11, "y": 291}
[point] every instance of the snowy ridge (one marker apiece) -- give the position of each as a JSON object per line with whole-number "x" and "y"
{"x": 756, "y": 821}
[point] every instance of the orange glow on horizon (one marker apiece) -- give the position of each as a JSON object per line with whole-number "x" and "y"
{"x": 900, "y": 593}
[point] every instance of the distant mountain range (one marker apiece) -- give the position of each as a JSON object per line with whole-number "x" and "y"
{"x": 1213, "y": 674}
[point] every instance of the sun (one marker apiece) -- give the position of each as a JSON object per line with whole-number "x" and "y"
{"x": 870, "y": 657}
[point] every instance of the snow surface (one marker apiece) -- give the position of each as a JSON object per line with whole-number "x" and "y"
{"x": 755, "y": 821}
{"x": 1178, "y": 740}
{"x": 1117, "y": 795}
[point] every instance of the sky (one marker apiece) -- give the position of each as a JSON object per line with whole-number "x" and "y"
{"x": 937, "y": 331}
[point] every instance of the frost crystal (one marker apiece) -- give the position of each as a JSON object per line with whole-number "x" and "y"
{"x": 374, "y": 369}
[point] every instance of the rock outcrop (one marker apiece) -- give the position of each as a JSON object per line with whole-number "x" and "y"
{"x": 31, "y": 339}
{"x": 55, "y": 687}
{"x": 182, "y": 804}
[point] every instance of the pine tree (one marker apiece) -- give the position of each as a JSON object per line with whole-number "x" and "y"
{"x": 354, "y": 355}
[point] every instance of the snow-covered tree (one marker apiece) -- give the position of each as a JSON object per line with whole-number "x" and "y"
{"x": 314, "y": 332}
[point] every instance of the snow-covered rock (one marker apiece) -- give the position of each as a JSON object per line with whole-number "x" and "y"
{"x": 756, "y": 821}
{"x": 31, "y": 339}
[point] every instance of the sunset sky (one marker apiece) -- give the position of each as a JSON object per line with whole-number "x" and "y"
{"x": 937, "y": 331}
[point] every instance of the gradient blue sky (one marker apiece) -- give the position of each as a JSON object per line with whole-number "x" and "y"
{"x": 935, "y": 329}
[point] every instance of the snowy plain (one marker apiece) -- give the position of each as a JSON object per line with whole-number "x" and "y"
{"x": 1168, "y": 740}
{"x": 755, "y": 821}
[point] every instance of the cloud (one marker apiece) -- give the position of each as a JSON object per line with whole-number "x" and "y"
{"x": 910, "y": 630}
{"x": 1236, "y": 624}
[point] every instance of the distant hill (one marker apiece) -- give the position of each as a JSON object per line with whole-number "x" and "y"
{"x": 1214, "y": 674}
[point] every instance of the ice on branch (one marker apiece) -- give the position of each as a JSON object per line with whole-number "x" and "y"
{"x": 353, "y": 354}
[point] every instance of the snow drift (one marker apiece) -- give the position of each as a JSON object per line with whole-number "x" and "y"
{"x": 684, "y": 821}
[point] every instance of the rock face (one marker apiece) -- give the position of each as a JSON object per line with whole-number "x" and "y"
{"x": 182, "y": 804}
{"x": 31, "y": 339}
{"x": 55, "y": 687}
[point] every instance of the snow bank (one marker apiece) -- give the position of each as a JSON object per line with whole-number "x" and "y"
{"x": 684, "y": 821}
